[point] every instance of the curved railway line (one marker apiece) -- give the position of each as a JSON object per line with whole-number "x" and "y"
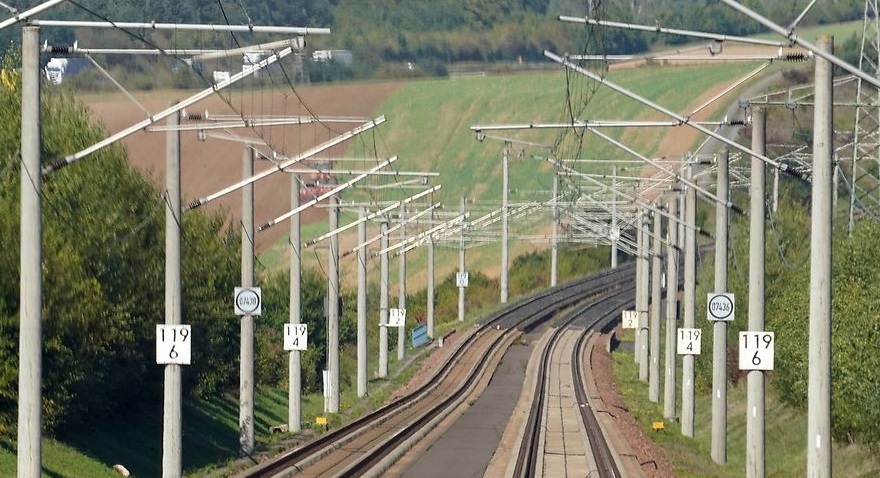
{"x": 370, "y": 444}
{"x": 562, "y": 436}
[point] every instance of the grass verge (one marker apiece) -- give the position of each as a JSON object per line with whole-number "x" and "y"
{"x": 785, "y": 433}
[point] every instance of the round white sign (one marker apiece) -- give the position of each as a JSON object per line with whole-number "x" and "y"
{"x": 247, "y": 301}
{"x": 721, "y": 306}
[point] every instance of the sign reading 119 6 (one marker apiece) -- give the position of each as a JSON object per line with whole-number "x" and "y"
{"x": 173, "y": 344}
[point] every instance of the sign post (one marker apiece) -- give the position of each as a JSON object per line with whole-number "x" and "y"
{"x": 248, "y": 301}
{"x": 396, "y": 317}
{"x": 296, "y": 337}
{"x": 689, "y": 341}
{"x": 630, "y": 319}
{"x": 173, "y": 344}
{"x": 720, "y": 307}
{"x": 756, "y": 350}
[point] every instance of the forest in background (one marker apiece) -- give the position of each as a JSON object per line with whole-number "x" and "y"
{"x": 388, "y": 37}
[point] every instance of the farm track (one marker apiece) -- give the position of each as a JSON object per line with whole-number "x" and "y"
{"x": 371, "y": 443}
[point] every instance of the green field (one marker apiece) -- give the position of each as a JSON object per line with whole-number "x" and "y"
{"x": 429, "y": 125}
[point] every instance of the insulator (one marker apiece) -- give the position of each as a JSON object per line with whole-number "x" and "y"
{"x": 794, "y": 57}
{"x": 60, "y": 50}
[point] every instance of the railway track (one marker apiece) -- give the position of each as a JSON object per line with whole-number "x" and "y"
{"x": 561, "y": 436}
{"x": 371, "y": 443}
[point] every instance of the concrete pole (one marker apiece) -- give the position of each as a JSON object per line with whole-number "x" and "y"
{"x": 645, "y": 289}
{"x": 401, "y": 290}
{"x": 333, "y": 309}
{"x": 461, "y": 269}
{"x": 719, "y": 328}
{"x": 654, "y": 329}
{"x": 614, "y": 237}
{"x": 430, "y": 305}
{"x": 819, "y": 390}
{"x": 362, "y": 306}
{"x": 294, "y": 401}
{"x": 554, "y": 241}
{"x": 383, "y": 302}
{"x": 688, "y": 404}
{"x": 246, "y": 360}
{"x": 172, "y": 432}
{"x": 640, "y": 283}
{"x": 505, "y": 159}
{"x": 755, "y": 379}
{"x": 30, "y": 349}
{"x": 670, "y": 357}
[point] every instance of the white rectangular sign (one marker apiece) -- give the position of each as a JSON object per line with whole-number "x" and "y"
{"x": 630, "y": 319}
{"x": 396, "y": 317}
{"x": 720, "y": 307}
{"x": 173, "y": 344}
{"x": 689, "y": 341}
{"x": 248, "y": 301}
{"x": 756, "y": 350}
{"x": 461, "y": 279}
{"x": 296, "y": 337}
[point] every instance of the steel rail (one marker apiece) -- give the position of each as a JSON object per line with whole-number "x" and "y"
{"x": 523, "y": 314}
{"x": 530, "y": 447}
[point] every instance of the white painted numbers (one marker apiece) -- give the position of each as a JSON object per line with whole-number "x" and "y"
{"x": 756, "y": 350}
{"x": 296, "y": 337}
{"x": 720, "y": 307}
{"x": 396, "y": 317}
{"x": 630, "y": 319}
{"x": 173, "y": 344}
{"x": 689, "y": 341}
{"x": 248, "y": 301}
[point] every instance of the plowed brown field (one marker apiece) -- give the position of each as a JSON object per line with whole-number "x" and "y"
{"x": 209, "y": 166}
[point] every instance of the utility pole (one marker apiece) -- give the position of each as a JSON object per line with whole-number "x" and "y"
{"x": 172, "y": 431}
{"x": 688, "y": 405}
{"x": 670, "y": 356}
{"x": 294, "y": 400}
{"x": 819, "y": 391}
{"x": 461, "y": 270}
{"x": 246, "y": 360}
{"x": 333, "y": 309}
{"x": 383, "y": 300}
{"x": 554, "y": 243}
{"x": 30, "y": 362}
{"x": 640, "y": 284}
{"x": 430, "y": 305}
{"x": 645, "y": 286}
{"x": 755, "y": 378}
{"x": 615, "y": 234}
{"x": 719, "y": 328}
{"x": 362, "y": 305}
{"x": 654, "y": 329}
{"x": 401, "y": 288}
{"x": 505, "y": 160}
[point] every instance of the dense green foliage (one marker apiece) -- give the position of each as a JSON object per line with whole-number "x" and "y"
{"x": 103, "y": 244}
{"x": 855, "y": 314}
